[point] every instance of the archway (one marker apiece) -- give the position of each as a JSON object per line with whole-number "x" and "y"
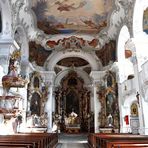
{"x": 72, "y": 104}
{"x": 56, "y": 57}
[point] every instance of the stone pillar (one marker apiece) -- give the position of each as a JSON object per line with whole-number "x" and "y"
{"x": 97, "y": 76}
{"x": 140, "y": 100}
{"x": 49, "y": 79}
{"x": 131, "y": 45}
{"x": 115, "y": 68}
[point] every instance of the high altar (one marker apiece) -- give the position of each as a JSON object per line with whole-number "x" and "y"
{"x": 72, "y": 105}
{"x": 72, "y": 123}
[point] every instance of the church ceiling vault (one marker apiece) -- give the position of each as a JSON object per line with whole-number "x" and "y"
{"x": 68, "y": 16}
{"x": 74, "y": 26}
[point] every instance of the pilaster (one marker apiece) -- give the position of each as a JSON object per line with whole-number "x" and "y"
{"x": 48, "y": 77}
{"x": 97, "y": 77}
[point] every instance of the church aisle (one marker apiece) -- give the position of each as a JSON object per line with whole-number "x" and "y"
{"x": 72, "y": 141}
{"x": 72, "y": 145}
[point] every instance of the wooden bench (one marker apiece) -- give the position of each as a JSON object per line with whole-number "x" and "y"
{"x": 108, "y": 140}
{"x": 128, "y": 144}
{"x": 29, "y": 140}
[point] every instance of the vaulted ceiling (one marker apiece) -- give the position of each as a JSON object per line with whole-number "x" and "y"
{"x": 75, "y": 25}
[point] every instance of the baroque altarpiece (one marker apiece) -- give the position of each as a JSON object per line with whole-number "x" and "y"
{"x": 108, "y": 97}
{"x": 72, "y": 104}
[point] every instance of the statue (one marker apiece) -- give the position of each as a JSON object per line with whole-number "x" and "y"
{"x": 16, "y": 123}
{"x": 72, "y": 117}
{"x": 110, "y": 120}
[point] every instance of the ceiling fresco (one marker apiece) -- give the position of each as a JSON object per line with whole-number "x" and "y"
{"x": 72, "y": 16}
{"x": 38, "y": 54}
{"x": 145, "y": 21}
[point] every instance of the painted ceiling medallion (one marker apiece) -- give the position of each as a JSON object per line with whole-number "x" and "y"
{"x": 72, "y": 17}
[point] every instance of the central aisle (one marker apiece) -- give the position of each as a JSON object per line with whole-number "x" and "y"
{"x": 72, "y": 145}
{"x": 72, "y": 141}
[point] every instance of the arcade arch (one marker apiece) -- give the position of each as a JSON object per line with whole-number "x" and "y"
{"x": 94, "y": 63}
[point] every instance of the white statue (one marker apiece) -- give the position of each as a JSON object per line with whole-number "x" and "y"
{"x": 110, "y": 120}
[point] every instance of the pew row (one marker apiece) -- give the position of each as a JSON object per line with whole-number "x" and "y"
{"x": 102, "y": 140}
{"x": 29, "y": 140}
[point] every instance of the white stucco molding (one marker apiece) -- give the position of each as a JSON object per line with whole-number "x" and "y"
{"x": 48, "y": 76}
{"x": 57, "y": 56}
{"x": 118, "y": 17}
{"x": 97, "y": 77}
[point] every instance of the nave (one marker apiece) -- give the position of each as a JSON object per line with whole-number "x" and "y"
{"x": 72, "y": 141}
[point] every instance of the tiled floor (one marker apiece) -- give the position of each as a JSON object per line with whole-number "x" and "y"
{"x": 72, "y": 145}
{"x": 72, "y": 141}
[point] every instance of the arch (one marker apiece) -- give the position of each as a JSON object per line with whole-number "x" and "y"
{"x": 140, "y": 5}
{"x": 124, "y": 72}
{"x": 51, "y": 61}
{"x": 6, "y": 19}
{"x": 82, "y": 74}
{"x": 124, "y": 35}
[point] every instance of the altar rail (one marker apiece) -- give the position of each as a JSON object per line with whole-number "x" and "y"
{"x": 29, "y": 140}
{"x": 122, "y": 140}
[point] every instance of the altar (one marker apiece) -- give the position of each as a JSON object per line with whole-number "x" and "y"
{"x": 73, "y": 129}
{"x": 72, "y": 123}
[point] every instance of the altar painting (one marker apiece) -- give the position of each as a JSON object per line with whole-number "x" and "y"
{"x": 68, "y": 16}
{"x": 108, "y": 97}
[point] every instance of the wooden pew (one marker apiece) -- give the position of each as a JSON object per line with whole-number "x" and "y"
{"x": 128, "y": 144}
{"x": 106, "y": 140}
{"x": 30, "y": 140}
{"x": 15, "y": 145}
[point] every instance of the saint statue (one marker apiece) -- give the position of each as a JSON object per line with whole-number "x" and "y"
{"x": 110, "y": 120}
